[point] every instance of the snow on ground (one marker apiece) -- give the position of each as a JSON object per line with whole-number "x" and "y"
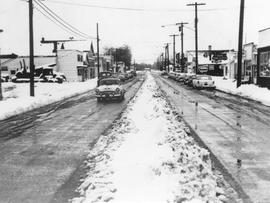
{"x": 17, "y": 100}
{"x": 148, "y": 156}
{"x": 250, "y": 91}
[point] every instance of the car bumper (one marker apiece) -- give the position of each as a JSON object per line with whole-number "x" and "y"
{"x": 108, "y": 95}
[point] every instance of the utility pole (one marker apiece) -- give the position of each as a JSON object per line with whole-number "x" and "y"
{"x": 97, "y": 50}
{"x": 167, "y": 56}
{"x": 165, "y": 59}
{"x": 173, "y": 50}
{"x": 31, "y": 48}
{"x": 240, "y": 44}
{"x": 1, "y": 96}
{"x": 181, "y": 29}
{"x": 196, "y": 31}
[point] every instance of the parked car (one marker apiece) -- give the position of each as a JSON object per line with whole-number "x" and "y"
{"x": 110, "y": 88}
{"x": 203, "y": 81}
{"x": 172, "y": 75}
{"x": 122, "y": 77}
{"x": 180, "y": 77}
{"x": 189, "y": 80}
{"x": 5, "y": 77}
{"x": 133, "y": 72}
{"x": 102, "y": 75}
{"x": 163, "y": 72}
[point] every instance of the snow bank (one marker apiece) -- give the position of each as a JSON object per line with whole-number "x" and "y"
{"x": 148, "y": 156}
{"x": 250, "y": 91}
{"x": 17, "y": 100}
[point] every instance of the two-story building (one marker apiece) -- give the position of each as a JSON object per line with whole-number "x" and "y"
{"x": 70, "y": 62}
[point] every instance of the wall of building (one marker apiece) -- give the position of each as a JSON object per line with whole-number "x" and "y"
{"x": 68, "y": 63}
{"x": 264, "y": 38}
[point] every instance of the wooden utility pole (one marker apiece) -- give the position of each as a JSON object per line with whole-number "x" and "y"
{"x": 174, "y": 49}
{"x": 240, "y": 43}
{"x": 181, "y": 29}
{"x": 196, "y": 31}
{"x": 97, "y": 50}
{"x": 31, "y": 48}
{"x": 168, "y": 55}
{"x": 1, "y": 96}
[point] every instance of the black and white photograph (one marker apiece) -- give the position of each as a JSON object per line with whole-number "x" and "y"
{"x": 134, "y": 101}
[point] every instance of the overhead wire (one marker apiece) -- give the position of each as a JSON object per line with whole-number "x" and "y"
{"x": 130, "y": 8}
{"x": 60, "y": 21}
{"x": 55, "y": 22}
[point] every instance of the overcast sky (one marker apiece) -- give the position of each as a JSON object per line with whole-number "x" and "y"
{"x": 139, "y": 25}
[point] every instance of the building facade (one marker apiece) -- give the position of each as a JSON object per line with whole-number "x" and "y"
{"x": 210, "y": 62}
{"x": 71, "y": 63}
{"x": 263, "y": 58}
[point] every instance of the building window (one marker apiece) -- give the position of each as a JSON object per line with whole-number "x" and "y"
{"x": 12, "y": 72}
{"x": 265, "y": 64}
{"x": 4, "y": 68}
{"x": 79, "y": 71}
{"x": 80, "y": 58}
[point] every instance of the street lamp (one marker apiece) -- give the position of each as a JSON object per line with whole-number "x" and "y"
{"x": 1, "y": 96}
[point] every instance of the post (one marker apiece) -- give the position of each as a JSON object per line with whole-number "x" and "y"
{"x": 240, "y": 44}
{"x": 97, "y": 50}
{"x": 196, "y": 36}
{"x": 173, "y": 50}
{"x": 168, "y": 57}
{"x": 31, "y": 48}
{"x": 196, "y": 32}
{"x": 181, "y": 30}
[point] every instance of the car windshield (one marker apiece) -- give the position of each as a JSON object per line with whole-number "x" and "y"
{"x": 204, "y": 78}
{"x": 109, "y": 82}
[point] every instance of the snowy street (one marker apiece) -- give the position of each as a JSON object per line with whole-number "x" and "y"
{"x": 42, "y": 151}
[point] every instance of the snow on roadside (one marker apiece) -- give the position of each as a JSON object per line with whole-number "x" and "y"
{"x": 148, "y": 156}
{"x": 250, "y": 91}
{"x": 16, "y": 97}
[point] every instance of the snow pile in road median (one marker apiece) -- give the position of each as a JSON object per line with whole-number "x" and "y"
{"x": 17, "y": 100}
{"x": 148, "y": 156}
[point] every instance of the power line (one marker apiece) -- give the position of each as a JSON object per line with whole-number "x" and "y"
{"x": 59, "y": 25}
{"x": 130, "y": 8}
{"x": 60, "y": 20}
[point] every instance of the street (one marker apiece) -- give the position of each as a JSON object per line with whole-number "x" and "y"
{"x": 235, "y": 129}
{"x": 42, "y": 151}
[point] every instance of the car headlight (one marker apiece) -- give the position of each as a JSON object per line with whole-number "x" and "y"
{"x": 117, "y": 90}
{"x": 97, "y": 91}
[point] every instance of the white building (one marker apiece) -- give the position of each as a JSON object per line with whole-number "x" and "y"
{"x": 70, "y": 63}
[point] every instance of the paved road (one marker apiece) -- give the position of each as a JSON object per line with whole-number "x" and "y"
{"x": 233, "y": 129}
{"x": 42, "y": 151}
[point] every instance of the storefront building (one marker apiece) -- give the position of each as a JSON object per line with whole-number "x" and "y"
{"x": 263, "y": 62}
